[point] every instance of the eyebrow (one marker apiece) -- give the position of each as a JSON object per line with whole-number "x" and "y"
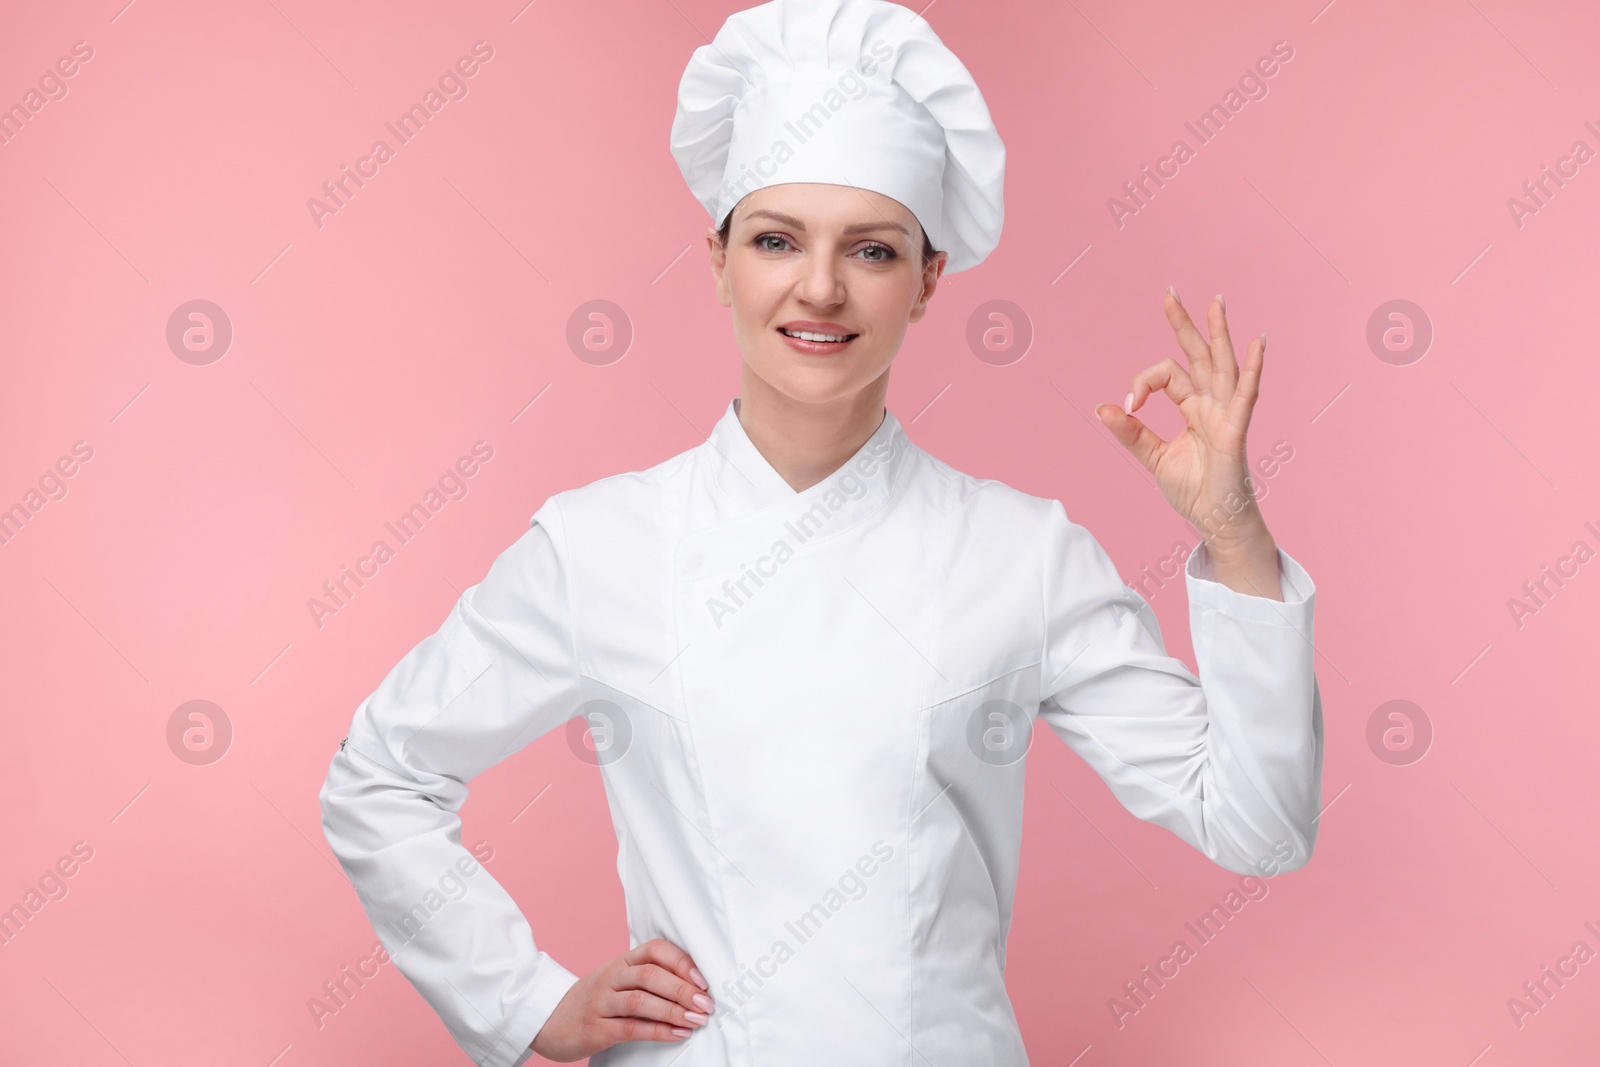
{"x": 860, "y": 227}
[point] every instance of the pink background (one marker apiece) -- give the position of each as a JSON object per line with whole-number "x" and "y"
{"x": 431, "y": 310}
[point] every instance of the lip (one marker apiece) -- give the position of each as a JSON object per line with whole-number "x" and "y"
{"x": 810, "y": 326}
{"x": 816, "y": 348}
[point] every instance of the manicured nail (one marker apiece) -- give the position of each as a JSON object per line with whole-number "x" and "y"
{"x": 681, "y": 1032}
{"x": 695, "y": 1017}
{"x": 699, "y": 979}
{"x": 1263, "y": 340}
{"x": 1175, "y": 295}
{"x": 702, "y": 1002}
{"x": 1223, "y": 302}
{"x": 1127, "y": 404}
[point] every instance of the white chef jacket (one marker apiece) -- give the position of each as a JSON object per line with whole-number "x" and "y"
{"x": 810, "y": 711}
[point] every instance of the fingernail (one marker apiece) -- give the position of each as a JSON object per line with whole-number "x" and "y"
{"x": 1223, "y": 302}
{"x": 702, "y": 1002}
{"x": 699, "y": 979}
{"x": 1127, "y": 404}
{"x": 1174, "y": 293}
{"x": 681, "y": 1032}
{"x": 1263, "y": 340}
{"x": 695, "y": 1017}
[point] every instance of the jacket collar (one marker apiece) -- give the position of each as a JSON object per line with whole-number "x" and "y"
{"x": 743, "y": 475}
{"x": 742, "y": 507}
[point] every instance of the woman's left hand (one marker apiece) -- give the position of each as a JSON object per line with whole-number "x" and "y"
{"x": 1203, "y": 471}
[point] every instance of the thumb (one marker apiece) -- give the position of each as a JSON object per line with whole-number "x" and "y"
{"x": 1134, "y": 435}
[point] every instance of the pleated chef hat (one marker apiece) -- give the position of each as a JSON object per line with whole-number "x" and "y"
{"x": 843, "y": 92}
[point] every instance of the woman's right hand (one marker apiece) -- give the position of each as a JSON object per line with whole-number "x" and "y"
{"x": 653, "y": 992}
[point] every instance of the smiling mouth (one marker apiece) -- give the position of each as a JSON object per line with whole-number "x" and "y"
{"x": 810, "y": 335}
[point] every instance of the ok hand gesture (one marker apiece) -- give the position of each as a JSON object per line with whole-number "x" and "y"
{"x": 1203, "y": 471}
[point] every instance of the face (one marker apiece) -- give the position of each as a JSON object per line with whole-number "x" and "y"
{"x": 838, "y": 264}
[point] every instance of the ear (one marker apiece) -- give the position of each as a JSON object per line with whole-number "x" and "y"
{"x": 719, "y": 265}
{"x": 930, "y": 282}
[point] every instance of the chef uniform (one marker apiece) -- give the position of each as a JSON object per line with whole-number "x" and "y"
{"x": 811, "y": 709}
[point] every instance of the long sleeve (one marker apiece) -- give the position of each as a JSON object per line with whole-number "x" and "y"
{"x": 499, "y": 673}
{"x": 1230, "y": 761}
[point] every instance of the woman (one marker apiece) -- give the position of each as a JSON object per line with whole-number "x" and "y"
{"x": 812, "y": 654}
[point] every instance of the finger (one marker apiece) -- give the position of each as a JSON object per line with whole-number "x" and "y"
{"x": 617, "y": 1031}
{"x": 642, "y": 1004}
{"x": 1135, "y": 436}
{"x": 688, "y": 1006}
{"x": 661, "y": 951}
{"x": 663, "y": 983}
{"x": 1249, "y": 388}
{"x": 1165, "y": 376}
{"x": 1194, "y": 345}
{"x": 1224, "y": 367}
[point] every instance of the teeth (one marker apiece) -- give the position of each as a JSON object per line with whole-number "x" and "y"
{"x": 806, "y": 335}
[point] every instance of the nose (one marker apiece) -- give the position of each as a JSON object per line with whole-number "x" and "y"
{"x": 821, "y": 285}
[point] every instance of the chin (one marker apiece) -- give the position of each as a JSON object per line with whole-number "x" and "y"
{"x": 820, "y": 382}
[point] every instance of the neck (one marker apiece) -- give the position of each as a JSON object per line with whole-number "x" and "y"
{"x": 806, "y": 441}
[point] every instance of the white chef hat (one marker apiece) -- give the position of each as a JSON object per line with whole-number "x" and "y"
{"x": 843, "y": 92}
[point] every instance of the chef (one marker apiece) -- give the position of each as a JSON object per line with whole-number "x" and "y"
{"x": 812, "y": 656}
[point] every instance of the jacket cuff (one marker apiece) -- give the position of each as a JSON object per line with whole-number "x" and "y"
{"x": 516, "y": 1046}
{"x": 1208, "y": 594}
